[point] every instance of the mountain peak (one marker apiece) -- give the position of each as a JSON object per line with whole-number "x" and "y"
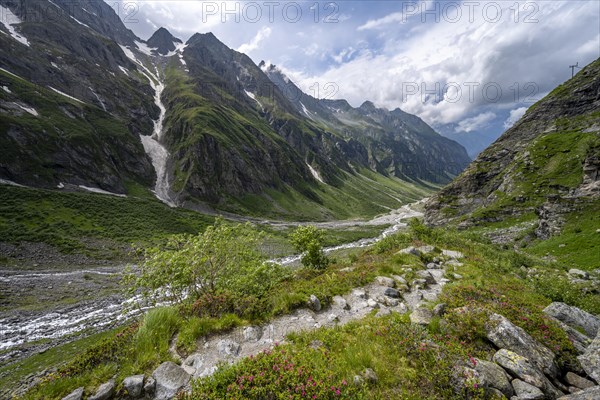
{"x": 368, "y": 106}
{"x": 163, "y": 41}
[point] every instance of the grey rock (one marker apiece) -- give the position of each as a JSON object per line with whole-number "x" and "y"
{"x": 314, "y": 303}
{"x": 578, "y": 381}
{"x": 170, "y": 378}
{"x": 579, "y": 273}
{"x": 433, "y": 266}
{"x": 403, "y": 288}
{"x": 590, "y": 360}
{"x": 227, "y": 347}
{"x": 372, "y": 303}
{"x": 421, "y": 316}
{"x": 358, "y": 380}
{"x": 573, "y": 389}
{"x": 105, "y": 391}
{"x": 520, "y": 367}
{"x": 134, "y": 385}
{"x": 252, "y": 333}
{"x": 426, "y": 276}
{"x": 150, "y": 386}
{"x": 453, "y": 254}
{"x": 579, "y": 340}
{"x": 385, "y": 281}
{"x": 76, "y": 394}
{"x": 340, "y": 302}
{"x": 439, "y": 310}
{"x": 491, "y": 375}
{"x": 525, "y": 391}
{"x": 393, "y": 293}
{"x": 592, "y": 393}
{"x": 370, "y": 375}
{"x": 575, "y": 318}
{"x": 195, "y": 360}
{"x": 333, "y": 317}
{"x": 426, "y": 249}
{"x": 399, "y": 279}
{"x": 505, "y": 335}
{"x": 458, "y": 276}
{"x": 410, "y": 250}
{"x": 360, "y": 293}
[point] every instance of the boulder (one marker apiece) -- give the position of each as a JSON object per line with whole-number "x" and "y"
{"x": 590, "y": 360}
{"x": 393, "y": 293}
{"x": 314, "y": 303}
{"x": 134, "y": 385}
{"x": 592, "y": 393}
{"x": 252, "y": 333}
{"x": 228, "y": 347}
{"x": 578, "y": 381}
{"x": 421, "y": 316}
{"x": 385, "y": 281}
{"x": 76, "y": 394}
{"x": 575, "y": 318}
{"x": 170, "y": 378}
{"x": 525, "y": 391}
{"x": 505, "y": 335}
{"x": 491, "y": 375}
{"x": 577, "y": 273}
{"x": 105, "y": 391}
{"x": 399, "y": 279}
{"x": 520, "y": 367}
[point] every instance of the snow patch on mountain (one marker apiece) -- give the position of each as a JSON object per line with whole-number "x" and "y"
{"x": 100, "y": 191}
{"x": 8, "y": 19}
{"x": 66, "y": 95}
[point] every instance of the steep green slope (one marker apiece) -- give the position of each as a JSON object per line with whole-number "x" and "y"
{"x": 537, "y": 175}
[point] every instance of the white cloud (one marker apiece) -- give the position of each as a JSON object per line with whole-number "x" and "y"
{"x": 475, "y": 123}
{"x": 261, "y": 35}
{"x": 514, "y": 116}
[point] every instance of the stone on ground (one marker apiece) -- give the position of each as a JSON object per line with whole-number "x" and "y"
{"x": 421, "y": 316}
{"x": 314, "y": 303}
{"x": 578, "y": 381}
{"x": 491, "y": 375}
{"x": 592, "y": 393}
{"x": 575, "y": 318}
{"x": 134, "y": 385}
{"x": 590, "y": 360}
{"x": 170, "y": 378}
{"x": 385, "y": 281}
{"x": 525, "y": 391}
{"x": 76, "y": 394}
{"x": 105, "y": 391}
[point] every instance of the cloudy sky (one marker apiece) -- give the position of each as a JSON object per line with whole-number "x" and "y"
{"x": 468, "y": 68}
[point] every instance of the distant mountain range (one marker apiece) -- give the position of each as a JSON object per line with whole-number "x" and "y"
{"x": 85, "y": 103}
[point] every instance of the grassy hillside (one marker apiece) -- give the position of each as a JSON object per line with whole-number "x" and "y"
{"x": 410, "y": 361}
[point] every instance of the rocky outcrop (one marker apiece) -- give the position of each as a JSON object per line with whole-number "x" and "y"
{"x": 105, "y": 391}
{"x": 76, "y": 394}
{"x": 506, "y": 335}
{"x": 134, "y": 385}
{"x": 587, "y": 394}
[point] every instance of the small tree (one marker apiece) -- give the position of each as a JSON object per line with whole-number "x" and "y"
{"x": 222, "y": 258}
{"x": 309, "y": 241}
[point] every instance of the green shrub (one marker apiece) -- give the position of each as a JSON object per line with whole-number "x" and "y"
{"x": 309, "y": 241}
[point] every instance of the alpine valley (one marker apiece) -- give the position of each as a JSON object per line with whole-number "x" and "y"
{"x": 177, "y": 221}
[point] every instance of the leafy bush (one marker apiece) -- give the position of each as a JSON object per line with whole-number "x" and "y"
{"x": 309, "y": 241}
{"x": 222, "y": 258}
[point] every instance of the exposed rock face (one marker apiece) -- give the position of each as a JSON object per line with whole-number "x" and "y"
{"x": 575, "y": 318}
{"x": 170, "y": 378}
{"x": 163, "y": 41}
{"x": 506, "y": 335}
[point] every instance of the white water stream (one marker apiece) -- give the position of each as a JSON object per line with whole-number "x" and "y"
{"x": 103, "y": 314}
